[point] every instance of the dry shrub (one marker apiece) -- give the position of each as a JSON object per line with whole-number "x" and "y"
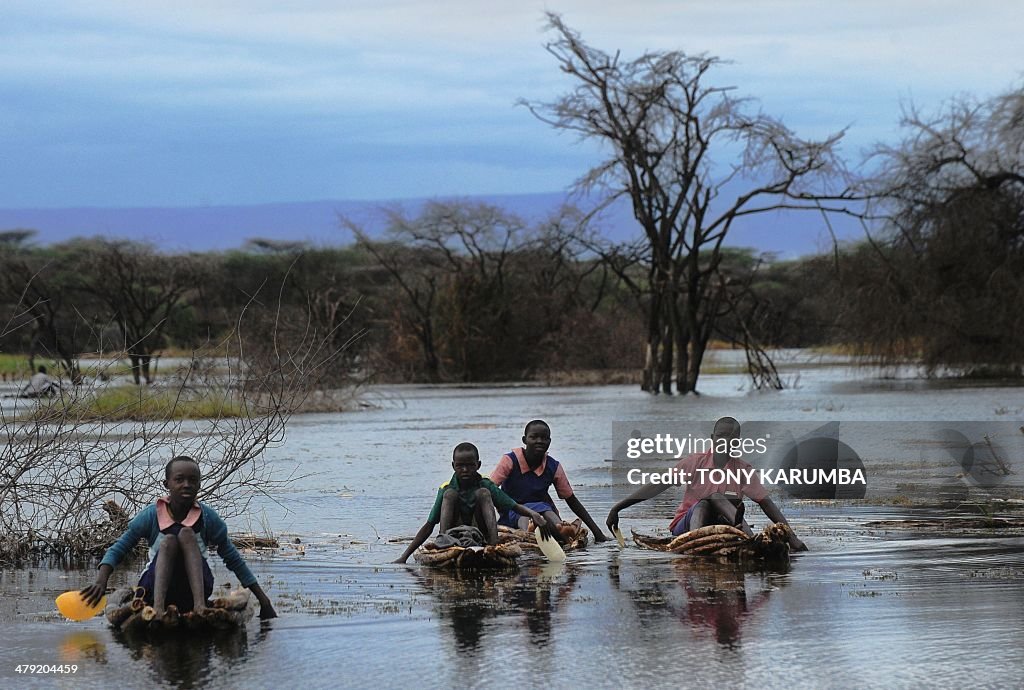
{"x": 69, "y": 479}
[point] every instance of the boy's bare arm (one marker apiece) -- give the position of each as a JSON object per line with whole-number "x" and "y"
{"x": 773, "y": 513}
{"x": 642, "y": 494}
{"x": 94, "y": 592}
{"x": 425, "y": 531}
{"x": 576, "y": 507}
{"x": 537, "y": 518}
{"x": 266, "y": 608}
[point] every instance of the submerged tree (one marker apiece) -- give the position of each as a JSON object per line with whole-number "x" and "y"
{"x": 692, "y": 159}
{"x": 947, "y": 283}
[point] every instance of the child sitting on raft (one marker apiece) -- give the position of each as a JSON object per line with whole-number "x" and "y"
{"x": 178, "y": 529}
{"x": 527, "y": 473}
{"x": 706, "y": 504}
{"x": 468, "y": 499}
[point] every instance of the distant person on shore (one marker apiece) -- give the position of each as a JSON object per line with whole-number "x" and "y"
{"x": 711, "y": 504}
{"x": 178, "y": 529}
{"x": 41, "y": 385}
{"x": 526, "y": 474}
{"x": 468, "y": 499}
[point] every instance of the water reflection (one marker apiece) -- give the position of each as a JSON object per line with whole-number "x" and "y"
{"x": 537, "y": 593}
{"x": 466, "y": 600}
{"x": 82, "y": 645}
{"x": 710, "y": 600}
{"x": 717, "y": 600}
{"x": 188, "y": 659}
{"x": 470, "y": 602}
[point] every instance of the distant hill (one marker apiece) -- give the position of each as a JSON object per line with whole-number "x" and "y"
{"x": 203, "y": 228}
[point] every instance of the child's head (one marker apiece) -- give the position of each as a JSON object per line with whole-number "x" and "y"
{"x": 727, "y": 428}
{"x": 181, "y": 478}
{"x": 537, "y": 437}
{"x": 465, "y": 461}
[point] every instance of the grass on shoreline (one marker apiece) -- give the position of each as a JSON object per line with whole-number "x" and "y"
{"x": 140, "y": 404}
{"x": 144, "y": 404}
{"x": 14, "y": 366}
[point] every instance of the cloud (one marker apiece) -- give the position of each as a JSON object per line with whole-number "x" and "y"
{"x": 124, "y": 84}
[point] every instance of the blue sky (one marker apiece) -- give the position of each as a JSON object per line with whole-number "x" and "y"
{"x": 208, "y": 103}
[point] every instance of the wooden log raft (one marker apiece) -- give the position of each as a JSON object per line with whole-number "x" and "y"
{"x": 496, "y": 556}
{"x": 725, "y": 543}
{"x": 574, "y": 536}
{"x": 131, "y": 614}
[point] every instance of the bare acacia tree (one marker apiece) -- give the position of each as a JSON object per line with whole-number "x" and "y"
{"x": 485, "y": 295}
{"x": 944, "y": 285}
{"x": 969, "y": 145}
{"x": 141, "y": 289}
{"x": 453, "y": 263}
{"x": 417, "y": 274}
{"x": 40, "y": 288}
{"x": 692, "y": 159}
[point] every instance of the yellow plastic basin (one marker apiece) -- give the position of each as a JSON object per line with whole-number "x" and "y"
{"x": 73, "y": 606}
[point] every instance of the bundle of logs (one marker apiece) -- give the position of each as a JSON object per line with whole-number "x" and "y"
{"x": 725, "y": 543}
{"x": 573, "y": 536}
{"x": 131, "y": 614}
{"x": 512, "y": 543}
{"x": 495, "y": 556}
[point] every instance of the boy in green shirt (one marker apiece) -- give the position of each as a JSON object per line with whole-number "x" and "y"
{"x": 468, "y": 499}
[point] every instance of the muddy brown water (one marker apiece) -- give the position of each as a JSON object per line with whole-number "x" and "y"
{"x": 877, "y": 602}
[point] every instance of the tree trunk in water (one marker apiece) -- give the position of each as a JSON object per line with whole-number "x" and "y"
{"x": 687, "y": 378}
{"x": 70, "y": 366}
{"x": 134, "y": 359}
{"x": 666, "y": 360}
{"x": 433, "y": 366}
{"x": 693, "y": 332}
{"x": 646, "y": 383}
{"x": 691, "y": 343}
{"x": 652, "y": 359}
{"x": 682, "y": 362}
{"x": 74, "y": 373}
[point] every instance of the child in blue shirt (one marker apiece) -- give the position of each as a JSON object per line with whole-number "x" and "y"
{"x": 178, "y": 529}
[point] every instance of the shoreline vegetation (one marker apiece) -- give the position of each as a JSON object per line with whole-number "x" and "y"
{"x": 110, "y": 396}
{"x": 461, "y": 291}
{"x": 135, "y": 404}
{"x": 90, "y": 449}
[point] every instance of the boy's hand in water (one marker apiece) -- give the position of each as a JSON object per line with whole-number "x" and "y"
{"x": 547, "y": 532}
{"x": 613, "y": 520}
{"x": 545, "y": 529}
{"x": 266, "y": 608}
{"x": 94, "y": 592}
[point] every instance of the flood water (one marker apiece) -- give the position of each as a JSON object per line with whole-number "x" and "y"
{"x": 872, "y": 604}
